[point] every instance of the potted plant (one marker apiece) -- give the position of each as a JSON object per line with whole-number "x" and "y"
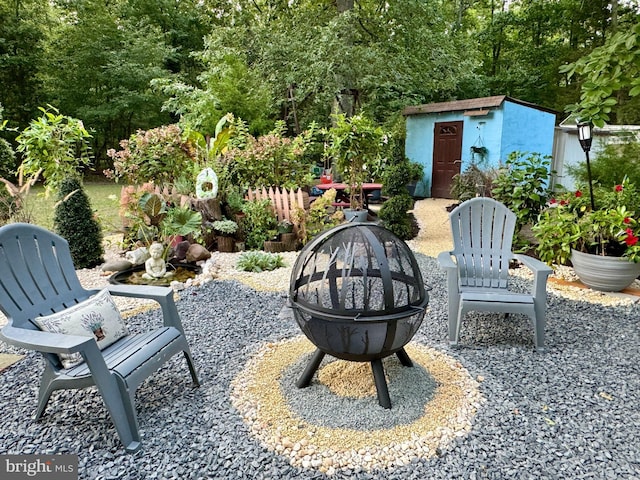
{"x": 602, "y": 244}
{"x": 225, "y": 229}
{"x": 355, "y": 144}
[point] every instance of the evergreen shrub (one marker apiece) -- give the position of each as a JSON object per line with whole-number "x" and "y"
{"x": 73, "y": 220}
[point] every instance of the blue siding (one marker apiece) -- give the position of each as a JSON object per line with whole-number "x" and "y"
{"x": 526, "y": 130}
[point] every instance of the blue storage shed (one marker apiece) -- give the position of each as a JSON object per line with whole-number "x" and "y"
{"x": 447, "y": 137}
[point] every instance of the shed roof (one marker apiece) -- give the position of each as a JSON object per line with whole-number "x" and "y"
{"x": 470, "y": 104}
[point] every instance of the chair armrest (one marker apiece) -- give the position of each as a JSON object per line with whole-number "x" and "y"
{"x": 541, "y": 272}
{"x": 45, "y": 341}
{"x": 162, "y": 295}
{"x": 446, "y": 262}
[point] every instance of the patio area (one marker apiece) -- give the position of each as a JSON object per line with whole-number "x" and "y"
{"x": 571, "y": 412}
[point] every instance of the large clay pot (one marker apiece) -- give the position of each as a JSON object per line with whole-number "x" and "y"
{"x": 606, "y": 274}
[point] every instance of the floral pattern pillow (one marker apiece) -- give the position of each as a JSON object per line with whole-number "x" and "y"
{"x": 96, "y": 317}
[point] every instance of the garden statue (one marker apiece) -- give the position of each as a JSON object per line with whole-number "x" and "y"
{"x": 207, "y": 184}
{"x": 155, "y": 266}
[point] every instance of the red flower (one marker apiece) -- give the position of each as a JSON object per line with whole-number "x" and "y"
{"x": 627, "y": 220}
{"x": 631, "y": 239}
{"x": 564, "y": 202}
{"x": 618, "y": 188}
{"x": 578, "y": 193}
{"x": 553, "y": 201}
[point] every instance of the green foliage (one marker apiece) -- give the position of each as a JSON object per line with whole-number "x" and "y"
{"x": 271, "y": 160}
{"x": 160, "y": 155}
{"x": 613, "y": 163}
{"x": 101, "y": 57}
{"x": 226, "y": 84}
{"x": 8, "y": 204}
{"x": 523, "y": 186}
{"x": 74, "y": 220}
{"x": 472, "y": 182}
{"x": 394, "y": 212}
{"x": 607, "y": 70}
{"x": 394, "y": 215}
{"x": 259, "y": 220}
{"x": 257, "y": 261}
{"x": 181, "y": 221}
{"x": 321, "y": 216}
{"x": 55, "y": 145}
{"x": 355, "y": 144}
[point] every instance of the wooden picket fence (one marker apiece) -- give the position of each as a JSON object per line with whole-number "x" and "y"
{"x": 284, "y": 201}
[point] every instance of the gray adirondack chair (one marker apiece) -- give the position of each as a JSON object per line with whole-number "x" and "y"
{"x": 478, "y": 268}
{"x": 38, "y": 278}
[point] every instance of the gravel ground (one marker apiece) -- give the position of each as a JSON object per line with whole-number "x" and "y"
{"x": 571, "y": 412}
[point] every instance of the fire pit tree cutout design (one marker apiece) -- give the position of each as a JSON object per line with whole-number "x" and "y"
{"x": 357, "y": 294}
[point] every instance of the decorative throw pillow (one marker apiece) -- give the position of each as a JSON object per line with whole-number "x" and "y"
{"x": 96, "y": 317}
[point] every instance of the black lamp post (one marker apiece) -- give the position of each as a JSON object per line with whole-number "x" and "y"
{"x": 585, "y": 137}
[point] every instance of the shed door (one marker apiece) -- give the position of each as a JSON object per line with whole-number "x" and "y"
{"x": 447, "y": 157}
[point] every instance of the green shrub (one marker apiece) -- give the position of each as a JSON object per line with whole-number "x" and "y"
{"x": 523, "y": 186}
{"x": 394, "y": 212}
{"x": 259, "y": 220}
{"x": 160, "y": 155}
{"x": 73, "y": 220}
{"x": 256, "y": 261}
{"x": 612, "y": 164}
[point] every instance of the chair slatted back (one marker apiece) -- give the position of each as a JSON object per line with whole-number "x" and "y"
{"x": 482, "y": 231}
{"x": 37, "y": 275}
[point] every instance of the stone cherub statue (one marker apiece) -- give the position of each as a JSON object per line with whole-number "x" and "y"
{"x": 155, "y": 266}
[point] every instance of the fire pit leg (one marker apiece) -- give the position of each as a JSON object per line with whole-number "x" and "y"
{"x": 404, "y": 358}
{"x": 312, "y": 366}
{"x": 381, "y": 383}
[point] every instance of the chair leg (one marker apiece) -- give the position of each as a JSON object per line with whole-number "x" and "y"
{"x": 192, "y": 368}
{"x": 539, "y": 324}
{"x": 47, "y": 387}
{"x": 454, "y": 325}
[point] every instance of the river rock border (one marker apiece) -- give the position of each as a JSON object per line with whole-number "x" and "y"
{"x": 256, "y": 394}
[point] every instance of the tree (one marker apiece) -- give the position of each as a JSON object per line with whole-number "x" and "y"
{"x": 23, "y": 31}
{"x": 294, "y": 59}
{"x": 100, "y": 68}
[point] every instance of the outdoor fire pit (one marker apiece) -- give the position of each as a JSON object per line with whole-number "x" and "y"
{"x": 357, "y": 294}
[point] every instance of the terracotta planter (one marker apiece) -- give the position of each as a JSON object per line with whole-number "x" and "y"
{"x": 226, "y": 244}
{"x": 606, "y": 274}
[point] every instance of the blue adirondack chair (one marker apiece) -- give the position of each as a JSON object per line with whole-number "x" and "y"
{"x": 478, "y": 268}
{"x": 38, "y": 279}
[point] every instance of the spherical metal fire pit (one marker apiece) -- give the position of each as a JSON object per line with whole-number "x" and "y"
{"x": 357, "y": 294}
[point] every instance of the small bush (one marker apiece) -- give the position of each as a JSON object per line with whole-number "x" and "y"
{"x": 256, "y": 261}
{"x": 612, "y": 165}
{"x": 73, "y": 220}
{"x": 394, "y": 212}
{"x": 259, "y": 220}
{"x": 472, "y": 182}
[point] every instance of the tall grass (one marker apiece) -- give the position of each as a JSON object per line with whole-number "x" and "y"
{"x": 105, "y": 202}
